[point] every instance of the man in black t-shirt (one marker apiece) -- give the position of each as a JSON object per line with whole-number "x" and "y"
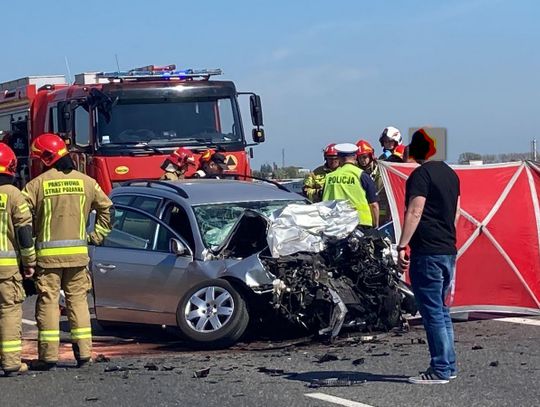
{"x": 432, "y": 207}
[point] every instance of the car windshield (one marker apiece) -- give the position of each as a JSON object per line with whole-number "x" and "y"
{"x": 163, "y": 122}
{"x": 216, "y": 220}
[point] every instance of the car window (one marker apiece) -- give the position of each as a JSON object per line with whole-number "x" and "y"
{"x": 176, "y": 217}
{"x": 131, "y": 230}
{"x": 144, "y": 203}
{"x": 216, "y": 220}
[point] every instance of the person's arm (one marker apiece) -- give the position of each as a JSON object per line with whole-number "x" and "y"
{"x": 374, "y": 208}
{"x": 372, "y": 198}
{"x": 22, "y": 223}
{"x": 102, "y": 205}
{"x": 457, "y": 211}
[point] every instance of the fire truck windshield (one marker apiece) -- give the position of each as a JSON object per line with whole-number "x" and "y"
{"x": 170, "y": 121}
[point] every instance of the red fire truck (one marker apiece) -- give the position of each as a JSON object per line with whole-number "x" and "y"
{"x": 121, "y": 125}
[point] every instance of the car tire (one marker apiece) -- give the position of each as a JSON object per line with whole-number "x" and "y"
{"x": 212, "y": 314}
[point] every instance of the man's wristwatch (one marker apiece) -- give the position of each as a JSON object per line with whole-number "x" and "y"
{"x": 400, "y": 248}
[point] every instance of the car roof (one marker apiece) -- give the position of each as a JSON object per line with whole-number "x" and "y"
{"x": 207, "y": 191}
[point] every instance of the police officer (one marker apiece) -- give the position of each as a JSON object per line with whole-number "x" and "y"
{"x": 176, "y": 165}
{"x": 314, "y": 182}
{"x": 15, "y": 239}
{"x": 212, "y": 165}
{"x": 61, "y": 199}
{"x": 351, "y": 183}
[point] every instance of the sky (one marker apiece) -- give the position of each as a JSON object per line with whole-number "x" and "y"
{"x": 326, "y": 71}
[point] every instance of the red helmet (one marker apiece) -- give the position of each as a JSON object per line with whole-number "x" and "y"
{"x": 365, "y": 148}
{"x": 330, "y": 150}
{"x": 182, "y": 156}
{"x": 8, "y": 160}
{"x": 49, "y": 148}
{"x": 207, "y": 155}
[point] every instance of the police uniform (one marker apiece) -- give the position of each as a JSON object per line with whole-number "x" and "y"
{"x": 314, "y": 183}
{"x": 15, "y": 241}
{"x": 61, "y": 202}
{"x": 348, "y": 182}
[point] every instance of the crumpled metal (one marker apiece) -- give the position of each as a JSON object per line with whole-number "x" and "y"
{"x": 302, "y": 228}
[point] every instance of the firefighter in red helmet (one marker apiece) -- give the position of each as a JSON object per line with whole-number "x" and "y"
{"x": 61, "y": 199}
{"x": 314, "y": 182}
{"x": 15, "y": 242}
{"x": 365, "y": 157}
{"x": 176, "y": 164}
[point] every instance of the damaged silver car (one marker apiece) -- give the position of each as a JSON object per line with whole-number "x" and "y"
{"x": 194, "y": 255}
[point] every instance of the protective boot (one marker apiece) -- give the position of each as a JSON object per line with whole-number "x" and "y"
{"x": 23, "y": 368}
{"x": 42, "y": 366}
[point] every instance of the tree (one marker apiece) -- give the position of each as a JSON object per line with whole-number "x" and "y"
{"x": 465, "y": 158}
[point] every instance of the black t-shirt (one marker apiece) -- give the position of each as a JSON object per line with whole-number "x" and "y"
{"x": 439, "y": 184}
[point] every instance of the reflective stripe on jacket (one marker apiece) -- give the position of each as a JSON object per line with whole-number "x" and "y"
{"x": 314, "y": 183}
{"x": 61, "y": 202}
{"x": 344, "y": 184}
{"x": 14, "y": 214}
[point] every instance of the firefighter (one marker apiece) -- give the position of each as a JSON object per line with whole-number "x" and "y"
{"x": 15, "y": 240}
{"x": 176, "y": 165}
{"x": 314, "y": 182}
{"x": 368, "y": 163}
{"x": 61, "y": 199}
{"x": 390, "y": 139}
{"x": 349, "y": 182}
{"x": 212, "y": 165}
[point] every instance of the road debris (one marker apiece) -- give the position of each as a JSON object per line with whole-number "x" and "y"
{"x": 327, "y": 357}
{"x": 198, "y": 374}
{"x": 477, "y": 347}
{"x": 91, "y": 399}
{"x": 358, "y": 362}
{"x": 151, "y": 366}
{"x": 271, "y": 371}
{"x": 101, "y": 358}
{"x": 495, "y": 363}
{"x": 334, "y": 382}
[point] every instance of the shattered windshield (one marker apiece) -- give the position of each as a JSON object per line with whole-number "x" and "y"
{"x": 173, "y": 121}
{"x": 216, "y": 220}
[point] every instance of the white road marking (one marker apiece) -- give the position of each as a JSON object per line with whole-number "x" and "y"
{"x": 524, "y": 321}
{"x": 29, "y": 322}
{"x": 336, "y": 400}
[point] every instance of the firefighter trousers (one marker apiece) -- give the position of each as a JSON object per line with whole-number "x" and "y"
{"x": 11, "y": 299}
{"x": 76, "y": 283}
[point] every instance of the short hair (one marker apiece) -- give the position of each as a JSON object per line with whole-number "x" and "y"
{"x": 422, "y": 146}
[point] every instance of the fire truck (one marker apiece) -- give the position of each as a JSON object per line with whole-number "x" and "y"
{"x": 121, "y": 125}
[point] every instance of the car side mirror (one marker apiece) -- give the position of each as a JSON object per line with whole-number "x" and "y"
{"x": 177, "y": 247}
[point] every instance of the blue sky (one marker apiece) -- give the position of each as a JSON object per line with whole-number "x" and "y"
{"x": 326, "y": 71}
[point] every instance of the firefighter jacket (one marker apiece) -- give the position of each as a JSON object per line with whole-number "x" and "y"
{"x": 314, "y": 183}
{"x": 374, "y": 172}
{"x": 172, "y": 175}
{"x": 15, "y": 232}
{"x": 61, "y": 202}
{"x": 345, "y": 184}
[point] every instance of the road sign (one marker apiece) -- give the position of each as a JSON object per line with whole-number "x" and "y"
{"x": 438, "y": 136}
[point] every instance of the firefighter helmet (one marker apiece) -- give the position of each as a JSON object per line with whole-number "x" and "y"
{"x": 400, "y": 151}
{"x": 8, "y": 160}
{"x": 390, "y": 133}
{"x": 365, "y": 148}
{"x": 182, "y": 156}
{"x": 207, "y": 155}
{"x": 49, "y": 148}
{"x": 330, "y": 151}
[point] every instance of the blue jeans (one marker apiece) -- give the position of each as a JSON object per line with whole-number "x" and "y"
{"x": 431, "y": 279}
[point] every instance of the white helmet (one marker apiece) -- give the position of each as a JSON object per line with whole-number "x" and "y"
{"x": 391, "y": 133}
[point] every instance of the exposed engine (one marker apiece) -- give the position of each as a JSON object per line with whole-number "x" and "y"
{"x": 353, "y": 282}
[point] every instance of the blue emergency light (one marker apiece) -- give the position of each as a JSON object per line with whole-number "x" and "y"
{"x": 154, "y": 72}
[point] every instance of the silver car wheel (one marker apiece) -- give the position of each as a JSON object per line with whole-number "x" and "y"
{"x": 209, "y": 309}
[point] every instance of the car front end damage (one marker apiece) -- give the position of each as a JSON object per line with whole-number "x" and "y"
{"x": 348, "y": 279}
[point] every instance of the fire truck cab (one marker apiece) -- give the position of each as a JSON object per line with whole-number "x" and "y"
{"x": 121, "y": 125}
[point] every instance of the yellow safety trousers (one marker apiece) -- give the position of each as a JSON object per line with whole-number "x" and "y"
{"x": 76, "y": 283}
{"x": 11, "y": 299}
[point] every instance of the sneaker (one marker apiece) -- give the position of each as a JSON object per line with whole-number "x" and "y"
{"x": 42, "y": 366}
{"x": 23, "y": 368}
{"x": 453, "y": 376}
{"x": 82, "y": 363}
{"x": 428, "y": 377}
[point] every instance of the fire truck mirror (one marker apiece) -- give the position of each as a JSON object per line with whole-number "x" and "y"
{"x": 258, "y": 135}
{"x": 256, "y": 110}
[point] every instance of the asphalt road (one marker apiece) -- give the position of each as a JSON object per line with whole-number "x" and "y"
{"x": 499, "y": 365}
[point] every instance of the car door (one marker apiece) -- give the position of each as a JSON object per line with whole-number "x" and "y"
{"x": 136, "y": 276}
